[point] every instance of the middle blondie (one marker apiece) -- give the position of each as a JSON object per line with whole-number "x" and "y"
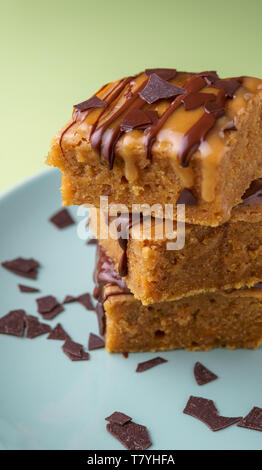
{"x": 213, "y": 258}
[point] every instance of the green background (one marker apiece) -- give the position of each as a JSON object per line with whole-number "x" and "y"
{"x": 56, "y": 53}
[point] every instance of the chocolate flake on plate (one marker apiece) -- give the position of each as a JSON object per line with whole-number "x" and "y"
{"x": 156, "y": 89}
{"x": 58, "y": 333}
{"x": 143, "y": 366}
{"x": 49, "y": 316}
{"x": 253, "y": 420}
{"x": 133, "y": 436}
{"x": 68, "y": 299}
{"x": 165, "y": 74}
{"x": 186, "y": 197}
{"x": 203, "y": 375}
{"x": 95, "y": 342}
{"x": 34, "y": 328}
{"x": 24, "y": 288}
{"x": 118, "y": 418}
{"x": 46, "y": 304}
{"x": 74, "y": 351}
{"x": 206, "y": 411}
{"x": 13, "y": 323}
{"x": 93, "y": 102}
{"x": 49, "y": 307}
{"x": 62, "y": 219}
{"x": 86, "y": 301}
{"x": 22, "y": 267}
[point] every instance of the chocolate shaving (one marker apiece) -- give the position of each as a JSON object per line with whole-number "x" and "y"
{"x": 206, "y": 411}
{"x": 253, "y": 420}
{"x": 75, "y": 351}
{"x": 156, "y": 89}
{"x": 28, "y": 289}
{"x": 62, "y": 219}
{"x": 203, "y": 375}
{"x": 85, "y": 300}
{"x": 34, "y": 328}
{"x": 229, "y": 86}
{"x": 165, "y": 74}
{"x": 22, "y": 267}
{"x": 95, "y": 342}
{"x": 187, "y": 197}
{"x": 49, "y": 316}
{"x": 49, "y": 307}
{"x": 92, "y": 241}
{"x": 143, "y": 366}
{"x": 13, "y": 323}
{"x": 118, "y": 418}
{"x": 72, "y": 347}
{"x": 58, "y": 333}
{"x": 209, "y": 76}
{"x": 93, "y": 102}
{"x": 101, "y": 318}
{"x": 133, "y": 436}
{"x": 214, "y": 107}
{"x": 46, "y": 304}
{"x": 138, "y": 119}
{"x": 197, "y": 99}
{"x": 69, "y": 298}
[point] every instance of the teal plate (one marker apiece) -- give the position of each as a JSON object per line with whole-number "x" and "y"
{"x": 49, "y": 402}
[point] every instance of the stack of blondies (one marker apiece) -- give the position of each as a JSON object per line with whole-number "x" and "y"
{"x": 138, "y": 150}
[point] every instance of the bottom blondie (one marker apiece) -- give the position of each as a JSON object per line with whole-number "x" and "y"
{"x": 231, "y": 319}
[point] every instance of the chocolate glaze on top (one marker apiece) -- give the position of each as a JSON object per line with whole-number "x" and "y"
{"x": 195, "y": 88}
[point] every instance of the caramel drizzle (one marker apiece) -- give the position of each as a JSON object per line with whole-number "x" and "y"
{"x": 213, "y": 109}
{"x": 98, "y": 132}
{"x": 109, "y": 98}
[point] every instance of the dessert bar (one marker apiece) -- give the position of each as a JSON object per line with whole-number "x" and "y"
{"x": 213, "y": 258}
{"x": 164, "y": 137}
{"x": 230, "y": 319}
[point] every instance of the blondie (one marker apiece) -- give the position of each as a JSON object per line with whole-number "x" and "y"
{"x": 213, "y": 258}
{"x": 164, "y": 137}
{"x": 230, "y": 319}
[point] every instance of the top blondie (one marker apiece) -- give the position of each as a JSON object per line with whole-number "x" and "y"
{"x": 164, "y": 137}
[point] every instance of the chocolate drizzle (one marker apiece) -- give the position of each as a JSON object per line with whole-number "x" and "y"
{"x": 105, "y": 275}
{"x": 113, "y": 121}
